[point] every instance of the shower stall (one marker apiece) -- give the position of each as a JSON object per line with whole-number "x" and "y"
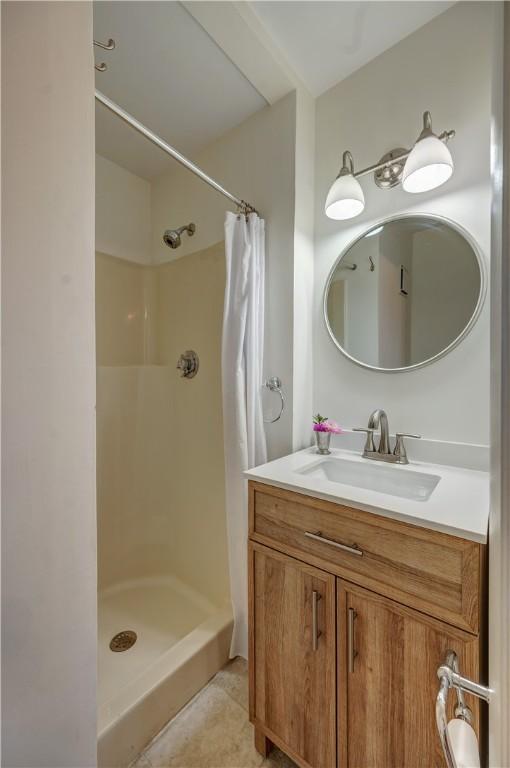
{"x": 165, "y": 616}
{"x": 165, "y": 603}
{"x": 163, "y": 564}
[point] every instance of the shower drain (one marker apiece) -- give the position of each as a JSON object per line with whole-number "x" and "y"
{"x": 123, "y": 641}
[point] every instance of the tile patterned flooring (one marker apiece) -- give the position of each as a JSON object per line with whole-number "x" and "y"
{"x": 212, "y": 731}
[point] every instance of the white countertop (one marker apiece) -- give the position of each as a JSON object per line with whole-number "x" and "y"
{"x": 459, "y": 504}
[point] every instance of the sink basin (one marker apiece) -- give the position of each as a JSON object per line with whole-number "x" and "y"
{"x": 393, "y": 480}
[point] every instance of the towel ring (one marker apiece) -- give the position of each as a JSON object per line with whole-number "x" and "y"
{"x": 448, "y": 674}
{"x": 274, "y": 384}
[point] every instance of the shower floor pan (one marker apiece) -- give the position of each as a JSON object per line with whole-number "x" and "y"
{"x": 182, "y": 641}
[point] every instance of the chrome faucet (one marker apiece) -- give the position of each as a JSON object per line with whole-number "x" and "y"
{"x": 379, "y": 421}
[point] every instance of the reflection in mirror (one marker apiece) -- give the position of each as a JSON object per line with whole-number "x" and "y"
{"x": 404, "y": 292}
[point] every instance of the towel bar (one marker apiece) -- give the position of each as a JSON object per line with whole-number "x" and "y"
{"x": 448, "y": 674}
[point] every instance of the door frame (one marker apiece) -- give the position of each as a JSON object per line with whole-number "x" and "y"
{"x": 499, "y": 524}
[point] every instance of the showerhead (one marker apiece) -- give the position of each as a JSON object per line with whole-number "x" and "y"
{"x": 172, "y": 237}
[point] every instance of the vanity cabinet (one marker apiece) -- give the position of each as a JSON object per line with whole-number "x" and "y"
{"x": 350, "y": 614}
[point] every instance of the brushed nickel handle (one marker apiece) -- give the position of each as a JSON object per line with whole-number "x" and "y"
{"x": 400, "y": 449}
{"x": 369, "y": 444}
{"x": 315, "y": 619}
{"x": 354, "y": 550}
{"x": 352, "y": 653}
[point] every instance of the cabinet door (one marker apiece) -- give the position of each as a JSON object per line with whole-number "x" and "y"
{"x": 387, "y": 664}
{"x": 293, "y": 656}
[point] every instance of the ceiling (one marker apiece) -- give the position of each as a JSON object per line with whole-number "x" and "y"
{"x": 326, "y": 41}
{"x": 171, "y": 75}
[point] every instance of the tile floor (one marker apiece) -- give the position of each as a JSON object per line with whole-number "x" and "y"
{"x": 212, "y": 731}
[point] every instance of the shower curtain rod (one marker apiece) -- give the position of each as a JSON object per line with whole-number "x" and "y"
{"x": 138, "y": 126}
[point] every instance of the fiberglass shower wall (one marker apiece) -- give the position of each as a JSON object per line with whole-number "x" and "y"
{"x": 159, "y": 437}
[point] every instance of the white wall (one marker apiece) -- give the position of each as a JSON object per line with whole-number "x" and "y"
{"x": 444, "y": 67}
{"x": 304, "y": 254}
{"x": 255, "y": 161}
{"x": 123, "y": 212}
{"x": 48, "y": 389}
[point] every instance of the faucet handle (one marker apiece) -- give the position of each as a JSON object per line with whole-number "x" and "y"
{"x": 369, "y": 444}
{"x": 400, "y": 449}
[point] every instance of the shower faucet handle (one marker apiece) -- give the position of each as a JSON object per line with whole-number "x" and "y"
{"x": 188, "y": 364}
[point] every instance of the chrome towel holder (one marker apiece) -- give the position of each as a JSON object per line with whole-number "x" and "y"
{"x": 274, "y": 384}
{"x": 448, "y": 674}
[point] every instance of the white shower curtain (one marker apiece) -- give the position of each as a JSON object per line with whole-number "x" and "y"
{"x": 242, "y": 357}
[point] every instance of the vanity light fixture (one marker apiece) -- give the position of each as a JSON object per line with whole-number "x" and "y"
{"x": 424, "y": 167}
{"x": 429, "y": 163}
{"x": 345, "y": 199}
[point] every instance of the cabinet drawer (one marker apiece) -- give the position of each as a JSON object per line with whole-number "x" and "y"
{"x": 430, "y": 571}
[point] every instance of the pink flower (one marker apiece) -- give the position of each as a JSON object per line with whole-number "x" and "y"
{"x": 328, "y": 426}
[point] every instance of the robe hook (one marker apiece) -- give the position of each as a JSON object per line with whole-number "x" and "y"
{"x": 109, "y": 46}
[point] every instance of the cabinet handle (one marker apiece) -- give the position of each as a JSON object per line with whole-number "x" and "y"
{"x": 352, "y": 653}
{"x": 354, "y": 550}
{"x": 315, "y": 619}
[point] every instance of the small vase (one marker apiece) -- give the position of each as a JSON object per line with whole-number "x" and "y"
{"x": 323, "y": 439}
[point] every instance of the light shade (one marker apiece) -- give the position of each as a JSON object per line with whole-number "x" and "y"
{"x": 428, "y": 166}
{"x": 345, "y": 198}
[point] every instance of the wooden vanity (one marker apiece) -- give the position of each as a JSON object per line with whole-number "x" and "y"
{"x": 350, "y": 615}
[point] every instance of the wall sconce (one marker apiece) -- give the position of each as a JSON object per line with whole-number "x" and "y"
{"x": 426, "y": 166}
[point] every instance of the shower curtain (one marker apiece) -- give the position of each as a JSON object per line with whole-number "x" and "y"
{"x": 242, "y": 358}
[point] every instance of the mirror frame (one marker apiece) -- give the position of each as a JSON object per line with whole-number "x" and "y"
{"x": 469, "y": 325}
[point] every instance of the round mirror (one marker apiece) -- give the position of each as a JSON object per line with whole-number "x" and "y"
{"x": 404, "y": 293}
